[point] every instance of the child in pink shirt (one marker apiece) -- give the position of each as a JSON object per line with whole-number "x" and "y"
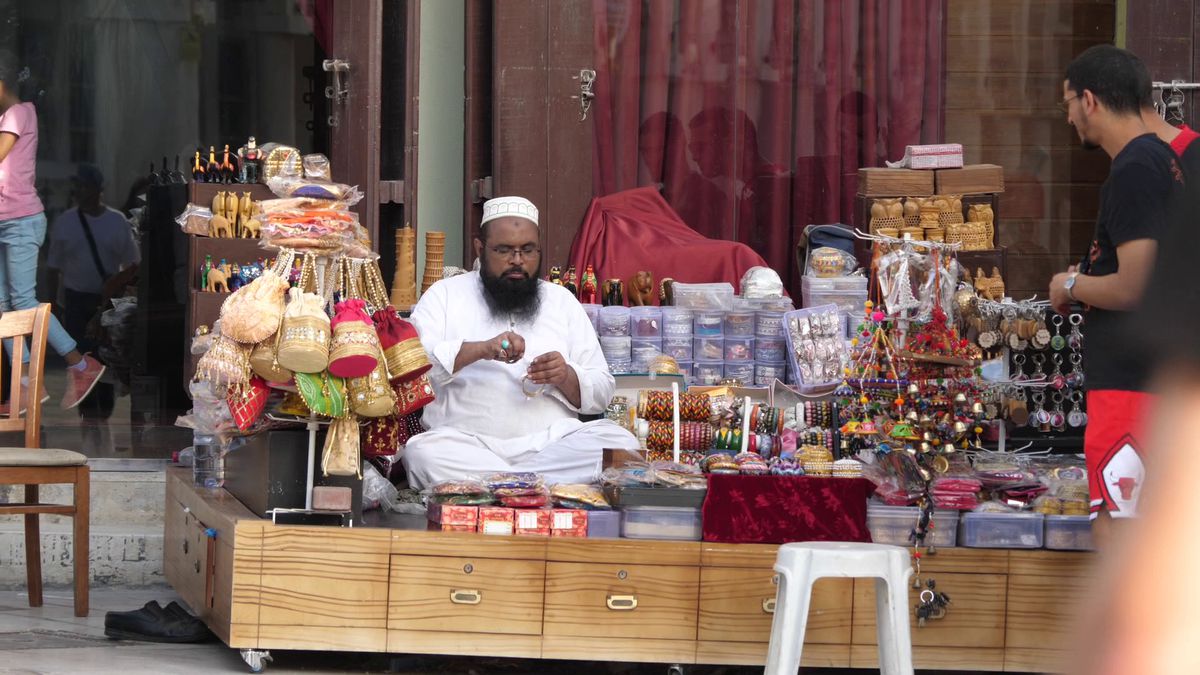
{"x": 23, "y": 229}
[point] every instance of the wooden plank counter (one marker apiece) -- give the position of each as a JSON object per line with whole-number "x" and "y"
{"x": 397, "y": 587}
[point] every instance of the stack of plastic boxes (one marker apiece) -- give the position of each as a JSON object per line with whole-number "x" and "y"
{"x": 645, "y": 327}
{"x": 677, "y": 338}
{"x": 613, "y": 327}
{"x": 770, "y": 348}
{"x": 848, "y": 293}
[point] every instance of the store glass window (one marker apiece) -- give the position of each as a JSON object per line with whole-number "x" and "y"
{"x": 135, "y": 88}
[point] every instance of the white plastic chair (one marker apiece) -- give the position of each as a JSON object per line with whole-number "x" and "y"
{"x": 799, "y": 565}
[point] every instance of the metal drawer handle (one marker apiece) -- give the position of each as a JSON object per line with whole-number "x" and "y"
{"x": 622, "y": 603}
{"x": 465, "y": 596}
{"x": 768, "y": 605}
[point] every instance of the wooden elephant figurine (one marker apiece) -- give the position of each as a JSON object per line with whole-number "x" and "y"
{"x": 641, "y": 289}
{"x": 614, "y": 292}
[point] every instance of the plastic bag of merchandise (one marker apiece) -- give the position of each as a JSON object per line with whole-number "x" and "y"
{"x": 679, "y": 475}
{"x": 631, "y": 474}
{"x": 761, "y": 282}
{"x": 466, "y": 492}
{"x": 579, "y": 496}
{"x": 210, "y": 413}
{"x": 316, "y": 167}
{"x": 293, "y": 186}
{"x": 377, "y": 491}
{"x": 195, "y": 219}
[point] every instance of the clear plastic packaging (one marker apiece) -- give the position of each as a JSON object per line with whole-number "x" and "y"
{"x": 645, "y": 322}
{"x": 604, "y": 524}
{"x": 707, "y": 373}
{"x": 761, "y": 282}
{"x": 739, "y": 349}
{"x": 293, "y": 186}
{"x": 708, "y": 324}
{"x": 678, "y": 347}
{"x": 316, "y": 167}
{"x": 893, "y": 524}
{"x": 766, "y": 373}
{"x": 768, "y": 323}
{"x": 661, "y": 522}
{"x": 717, "y": 296}
{"x": 1001, "y": 530}
{"x": 1068, "y": 533}
{"x": 645, "y": 349}
{"x": 742, "y": 372}
{"x": 708, "y": 349}
{"x": 677, "y": 321}
{"x": 616, "y": 348}
{"x": 770, "y": 349}
{"x": 593, "y": 315}
{"x": 194, "y": 219}
{"x": 739, "y": 323}
{"x": 614, "y": 321}
{"x": 816, "y": 346}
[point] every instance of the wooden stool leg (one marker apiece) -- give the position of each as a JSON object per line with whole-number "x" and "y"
{"x": 33, "y": 549}
{"x": 80, "y": 538}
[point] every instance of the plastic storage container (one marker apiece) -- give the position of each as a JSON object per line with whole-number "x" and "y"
{"x": 770, "y": 349}
{"x": 740, "y": 323}
{"x": 848, "y": 293}
{"x": 593, "y": 314}
{"x": 605, "y": 524}
{"x": 708, "y": 324}
{"x": 707, "y": 373}
{"x": 645, "y": 348}
{"x": 614, "y": 321}
{"x": 1000, "y": 530}
{"x": 677, "y": 321}
{"x": 685, "y": 369}
{"x": 678, "y": 347}
{"x": 768, "y": 324}
{"x": 616, "y": 348}
{"x": 739, "y": 349}
{"x": 708, "y": 349}
{"x": 620, "y": 367}
{"x": 717, "y": 296}
{"x": 892, "y": 525}
{"x": 1068, "y": 533}
{"x": 208, "y": 461}
{"x": 661, "y": 522}
{"x": 742, "y": 372}
{"x": 766, "y": 373}
{"x": 645, "y": 322}
{"x": 827, "y": 372}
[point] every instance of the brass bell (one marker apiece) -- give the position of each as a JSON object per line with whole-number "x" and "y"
{"x": 910, "y": 450}
{"x": 948, "y": 448}
{"x": 977, "y": 408}
{"x": 913, "y": 389}
{"x": 960, "y": 427}
{"x": 925, "y": 474}
{"x": 926, "y": 419}
{"x": 960, "y": 397}
{"x": 926, "y": 448}
{"x": 912, "y": 415}
{"x": 927, "y": 436}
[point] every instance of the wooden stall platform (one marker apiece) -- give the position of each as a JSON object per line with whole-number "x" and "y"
{"x": 396, "y": 587}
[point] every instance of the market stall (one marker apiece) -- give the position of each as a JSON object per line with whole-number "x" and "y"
{"x": 878, "y": 411}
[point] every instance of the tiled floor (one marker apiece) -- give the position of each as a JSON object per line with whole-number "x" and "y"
{"x": 50, "y": 639}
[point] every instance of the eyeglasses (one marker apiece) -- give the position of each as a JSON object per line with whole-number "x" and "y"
{"x": 509, "y": 252}
{"x": 1065, "y": 104}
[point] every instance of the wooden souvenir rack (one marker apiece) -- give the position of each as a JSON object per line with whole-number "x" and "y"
{"x": 396, "y": 587}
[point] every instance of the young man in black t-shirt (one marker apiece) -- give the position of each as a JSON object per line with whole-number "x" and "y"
{"x": 1103, "y": 93}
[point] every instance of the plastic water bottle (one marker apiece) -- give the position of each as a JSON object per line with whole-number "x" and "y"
{"x": 208, "y": 464}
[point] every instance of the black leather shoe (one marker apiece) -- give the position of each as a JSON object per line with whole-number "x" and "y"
{"x": 152, "y": 623}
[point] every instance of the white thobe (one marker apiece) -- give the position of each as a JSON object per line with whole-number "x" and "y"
{"x": 481, "y": 420}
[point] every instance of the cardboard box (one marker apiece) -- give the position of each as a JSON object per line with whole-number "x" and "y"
{"x": 496, "y": 520}
{"x": 568, "y": 523}
{"x": 880, "y": 182}
{"x": 453, "y": 514}
{"x": 971, "y": 179}
{"x": 532, "y": 521}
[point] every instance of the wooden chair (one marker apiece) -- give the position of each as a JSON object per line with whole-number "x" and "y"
{"x": 32, "y": 465}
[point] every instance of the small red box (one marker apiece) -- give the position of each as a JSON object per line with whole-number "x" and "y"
{"x": 496, "y": 520}
{"x": 533, "y": 521}
{"x": 568, "y": 523}
{"x": 454, "y": 514}
{"x": 456, "y": 528}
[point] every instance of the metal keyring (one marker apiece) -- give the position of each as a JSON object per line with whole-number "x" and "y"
{"x": 925, "y": 599}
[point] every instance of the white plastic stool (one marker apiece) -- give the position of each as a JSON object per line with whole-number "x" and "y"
{"x": 799, "y": 565}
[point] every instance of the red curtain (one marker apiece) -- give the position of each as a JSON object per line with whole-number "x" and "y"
{"x": 753, "y": 116}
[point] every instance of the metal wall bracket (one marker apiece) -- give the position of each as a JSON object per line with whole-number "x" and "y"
{"x": 481, "y": 189}
{"x": 339, "y": 90}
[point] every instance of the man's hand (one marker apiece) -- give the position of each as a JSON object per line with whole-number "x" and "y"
{"x": 507, "y": 347}
{"x": 1059, "y": 300}
{"x": 552, "y": 369}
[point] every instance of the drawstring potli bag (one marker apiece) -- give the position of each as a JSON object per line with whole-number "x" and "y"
{"x": 355, "y": 349}
{"x": 253, "y": 312}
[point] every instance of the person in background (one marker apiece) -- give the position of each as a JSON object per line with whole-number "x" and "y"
{"x": 1103, "y": 94}
{"x": 22, "y": 231}
{"x": 93, "y": 249}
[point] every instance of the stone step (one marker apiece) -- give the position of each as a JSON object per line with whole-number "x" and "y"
{"x": 126, "y": 538}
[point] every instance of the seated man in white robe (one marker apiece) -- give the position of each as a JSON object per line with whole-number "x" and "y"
{"x": 515, "y": 362}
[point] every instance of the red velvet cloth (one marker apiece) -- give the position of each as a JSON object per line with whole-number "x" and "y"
{"x": 753, "y": 117}
{"x": 782, "y": 509}
{"x": 636, "y": 230}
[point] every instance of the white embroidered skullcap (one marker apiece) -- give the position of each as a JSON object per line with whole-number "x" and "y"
{"x": 502, "y": 207}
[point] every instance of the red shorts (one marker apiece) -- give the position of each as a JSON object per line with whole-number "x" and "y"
{"x": 1114, "y": 446}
